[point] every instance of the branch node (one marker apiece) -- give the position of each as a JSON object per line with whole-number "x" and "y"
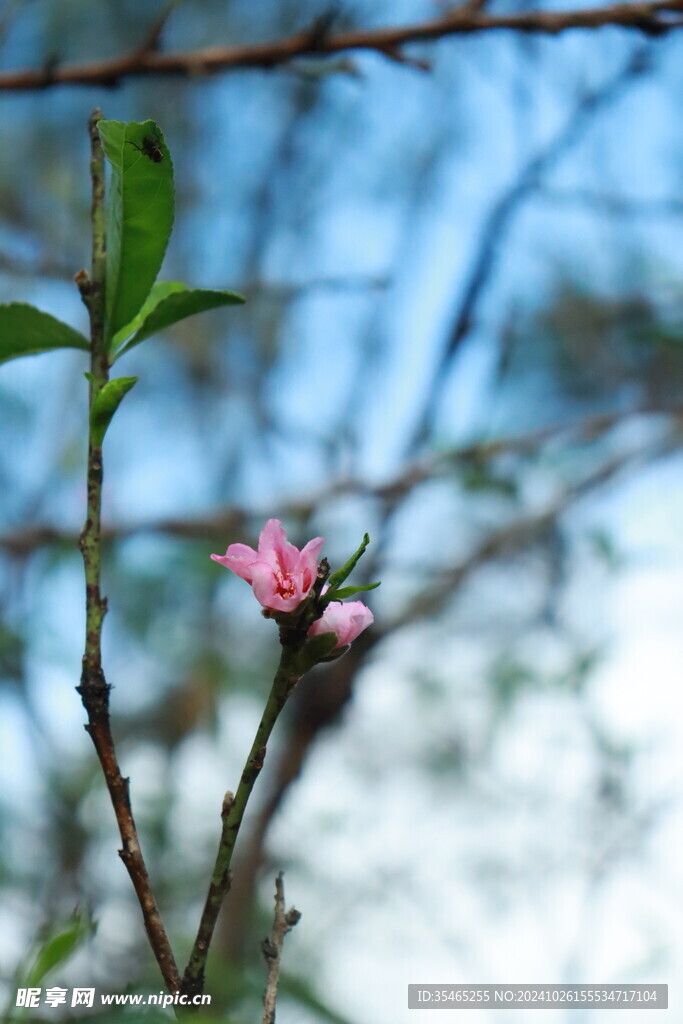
{"x": 228, "y": 801}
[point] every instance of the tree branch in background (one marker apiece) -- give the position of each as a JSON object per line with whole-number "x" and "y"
{"x": 499, "y": 219}
{"x": 94, "y": 689}
{"x": 521, "y": 534}
{"x": 234, "y": 520}
{"x": 653, "y": 18}
{"x": 614, "y": 205}
{"x": 283, "y": 922}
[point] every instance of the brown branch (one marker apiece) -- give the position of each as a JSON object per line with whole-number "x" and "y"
{"x": 283, "y": 922}
{"x": 233, "y": 520}
{"x": 655, "y": 17}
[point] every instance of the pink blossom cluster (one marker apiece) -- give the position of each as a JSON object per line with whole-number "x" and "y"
{"x": 281, "y": 577}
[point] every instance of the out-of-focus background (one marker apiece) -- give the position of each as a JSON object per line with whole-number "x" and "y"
{"x": 463, "y": 333}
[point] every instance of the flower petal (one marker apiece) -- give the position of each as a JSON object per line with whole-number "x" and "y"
{"x": 310, "y": 555}
{"x": 239, "y": 558}
{"x": 274, "y": 548}
{"x": 346, "y": 620}
{"x": 266, "y": 592}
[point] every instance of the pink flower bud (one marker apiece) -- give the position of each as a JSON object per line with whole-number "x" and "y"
{"x": 281, "y": 576}
{"x": 346, "y": 620}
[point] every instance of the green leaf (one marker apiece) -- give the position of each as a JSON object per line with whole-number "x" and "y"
{"x": 339, "y": 595}
{"x": 169, "y": 302}
{"x": 26, "y": 331}
{"x": 338, "y": 577}
{"x": 105, "y": 405}
{"x": 58, "y": 946}
{"x": 139, "y": 215}
{"x": 159, "y": 291}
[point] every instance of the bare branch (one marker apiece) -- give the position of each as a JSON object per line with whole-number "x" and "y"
{"x": 283, "y": 922}
{"x": 233, "y": 521}
{"x": 653, "y": 18}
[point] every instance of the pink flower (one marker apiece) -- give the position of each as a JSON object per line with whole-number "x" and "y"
{"x": 346, "y": 620}
{"x": 281, "y": 576}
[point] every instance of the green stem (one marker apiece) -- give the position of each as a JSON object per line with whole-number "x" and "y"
{"x": 286, "y": 678}
{"x": 94, "y": 689}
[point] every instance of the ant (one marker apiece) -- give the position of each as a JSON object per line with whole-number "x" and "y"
{"x": 150, "y": 148}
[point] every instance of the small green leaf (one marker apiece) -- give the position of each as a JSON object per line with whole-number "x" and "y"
{"x": 318, "y": 648}
{"x": 339, "y": 595}
{"x": 105, "y": 405}
{"x": 58, "y": 947}
{"x": 139, "y": 216}
{"x": 26, "y": 331}
{"x": 338, "y": 577}
{"x": 176, "y": 304}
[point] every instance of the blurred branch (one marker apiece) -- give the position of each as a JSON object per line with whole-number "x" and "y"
{"x": 42, "y": 267}
{"x": 286, "y": 291}
{"x": 523, "y": 533}
{"x": 614, "y": 206}
{"x": 653, "y": 18}
{"x": 283, "y": 922}
{"x": 233, "y": 520}
{"x": 497, "y": 224}
{"x": 152, "y": 38}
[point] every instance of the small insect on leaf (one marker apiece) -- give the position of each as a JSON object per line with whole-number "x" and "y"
{"x": 150, "y": 148}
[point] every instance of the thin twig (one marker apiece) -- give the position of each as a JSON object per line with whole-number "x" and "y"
{"x": 283, "y": 922}
{"x": 232, "y": 814}
{"x": 653, "y": 18}
{"x": 94, "y": 689}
